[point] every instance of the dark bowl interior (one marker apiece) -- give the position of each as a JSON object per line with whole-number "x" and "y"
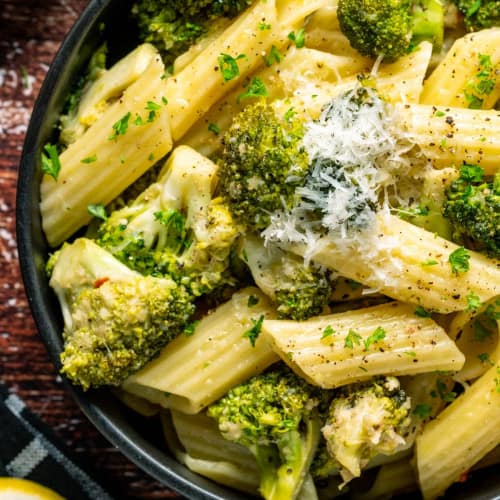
{"x": 142, "y": 443}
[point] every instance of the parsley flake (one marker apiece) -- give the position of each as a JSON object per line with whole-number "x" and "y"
{"x": 98, "y": 211}
{"x": 214, "y": 128}
{"x": 422, "y": 410}
{"x": 421, "y": 312}
{"x": 252, "y": 301}
{"x": 299, "y": 38}
{"x": 229, "y": 66}
{"x": 51, "y": 165}
{"x": 254, "y": 331}
{"x": 473, "y": 302}
{"x": 89, "y": 159}
{"x": 459, "y": 260}
{"x": 255, "y": 89}
{"x": 120, "y": 127}
{"x": 352, "y": 338}
{"x": 327, "y": 332}
{"x": 273, "y": 57}
{"x": 378, "y": 335}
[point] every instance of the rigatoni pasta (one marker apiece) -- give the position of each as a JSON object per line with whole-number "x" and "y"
{"x": 297, "y": 209}
{"x": 339, "y": 349}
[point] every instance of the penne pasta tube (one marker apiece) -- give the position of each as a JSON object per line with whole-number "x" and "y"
{"x": 219, "y": 354}
{"x": 460, "y": 436}
{"x": 453, "y": 136}
{"x": 459, "y": 79}
{"x": 108, "y": 157}
{"x": 338, "y": 349}
{"x": 243, "y": 44}
{"x": 391, "y": 257}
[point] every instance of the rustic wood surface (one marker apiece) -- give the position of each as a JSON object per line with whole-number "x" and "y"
{"x": 30, "y": 34}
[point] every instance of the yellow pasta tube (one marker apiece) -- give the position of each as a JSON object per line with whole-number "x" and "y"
{"x": 192, "y": 91}
{"x": 209, "y": 454}
{"x": 220, "y": 354}
{"x": 460, "y": 435}
{"x": 109, "y": 85}
{"x": 108, "y": 157}
{"x": 300, "y": 70}
{"x": 453, "y": 136}
{"x": 408, "y": 263}
{"x": 468, "y": 75}
{"x": 338, "y": 349}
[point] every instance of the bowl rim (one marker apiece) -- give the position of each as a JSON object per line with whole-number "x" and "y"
{"x": 96, "y": 405}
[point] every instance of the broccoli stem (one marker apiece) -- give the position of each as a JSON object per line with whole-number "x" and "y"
{"x": 285, "y": 467}
{"x": 428, "y": 22}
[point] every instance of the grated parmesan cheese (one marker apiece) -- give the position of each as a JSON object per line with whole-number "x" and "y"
{"x": 359, "y": 158}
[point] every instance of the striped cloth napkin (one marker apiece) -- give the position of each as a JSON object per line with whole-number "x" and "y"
{"x": 29, "y": 450}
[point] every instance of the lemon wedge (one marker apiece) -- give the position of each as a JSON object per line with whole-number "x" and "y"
{"x": 22, "y": 489}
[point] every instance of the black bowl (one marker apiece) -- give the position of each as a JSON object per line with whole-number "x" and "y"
{"x": 128, "y": 433}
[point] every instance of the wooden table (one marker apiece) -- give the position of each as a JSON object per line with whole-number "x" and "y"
{"x": 30, "y": 34}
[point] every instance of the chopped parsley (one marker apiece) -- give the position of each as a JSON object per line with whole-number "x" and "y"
{"x": 152, "y": 107}
{"x": 254, "y": 331}
{"x": 252, "y": 301}
{"x": 421, "y": 312}
{"x": 473, "y": 302}
{"x": 273, "y": 57}
{"x": 429, "y": 262}
{"x": 255, "y": 89}
{"x": 327, "y": 332}
{"x": 484, "y": 357}
{"x": 299, "y": 38}
{"x": 459, "y": 260}
{"x": 439, "y": 113}
{"x": 98, "y": 211}
{"x": 422, "y": 410}
{"x": 376, "y": 336}
{"x": 443, "y": 392}
{"x": 352, "y": 338}
{"x": 229, "y": 66}
{"x": 120, "y": 127}
{"x": 264, "y": 26}
{"x": 51, "y": 165}
{"x": 214, "y": 128}
{"x": 89, "y": 159}
{"x": 497, "y": 380}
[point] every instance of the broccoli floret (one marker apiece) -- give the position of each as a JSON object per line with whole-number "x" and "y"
{"x": 115, "y": 320}
{"x": 391, "y": 28}
{"x": 174, "y": 228}
{"x": 300, "y": 291}
{"x": 262, "y": 163}
{"x": 275, "y": 415}
{"x": 479, "y": 14}
{"x": 472, "y": 205}
{"x": 172, "y": 27}
{"x": 367, "y": 419}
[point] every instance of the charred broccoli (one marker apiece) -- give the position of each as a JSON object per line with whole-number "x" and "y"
{"x": 379, "y": 27}
{"x": 175, "y": 228}
{"x": 472, "y": 205}
{"x": 275, "y": 415}
{"x": 172, "y": 27}
{"x": 479, "y": 14}
{"x": 367, "y": 419}
{"x": 300, "y": 291}
{"x": 262, "y": 163}
{"x": 115, "y": 320}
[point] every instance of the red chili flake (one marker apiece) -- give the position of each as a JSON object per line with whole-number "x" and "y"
{"x": 99, "y": 282}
